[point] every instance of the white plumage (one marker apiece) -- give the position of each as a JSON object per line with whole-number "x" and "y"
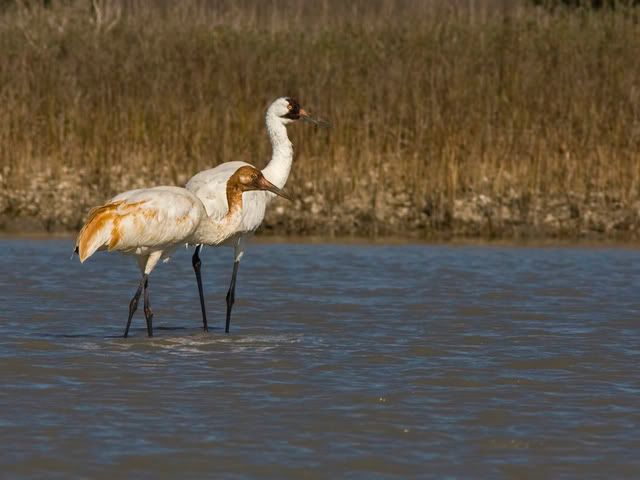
{"x": 151, "y": 223}
{"x": 142, "y": 222}
{"x": 208, "y": 185}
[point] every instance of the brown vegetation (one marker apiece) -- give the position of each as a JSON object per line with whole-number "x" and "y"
{"x": 472, "y": 117}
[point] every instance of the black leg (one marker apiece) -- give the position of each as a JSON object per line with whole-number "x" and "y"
{"x": 231, "y": 294}
{"x": 195, "y": 261}
{"x": 133, "y": 305}
{"x": 148, "y": 313}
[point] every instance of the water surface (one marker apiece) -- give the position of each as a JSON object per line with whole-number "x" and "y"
{"x": 344, "y": 361}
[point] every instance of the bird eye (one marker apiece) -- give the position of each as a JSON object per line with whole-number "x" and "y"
{"x": 289, "y": 107}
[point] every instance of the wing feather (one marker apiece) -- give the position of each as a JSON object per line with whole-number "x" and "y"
{"x": 210, "y": 186}
{"x": 153, "y": 218}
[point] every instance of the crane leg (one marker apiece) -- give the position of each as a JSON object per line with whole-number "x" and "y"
{"x": 231, "y": 294}
{"x": 195, "y": 261}
{"x": 148, "y": 313}
{"x": 133, "y": 305}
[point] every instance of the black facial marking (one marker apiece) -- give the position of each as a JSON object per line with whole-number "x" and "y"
{"x": 294, "y": 111}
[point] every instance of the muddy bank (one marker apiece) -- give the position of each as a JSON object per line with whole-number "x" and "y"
{"x": 509, "y": 215}
{"x": 59, "y": 202}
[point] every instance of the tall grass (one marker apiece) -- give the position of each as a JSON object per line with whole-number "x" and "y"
{"x": 431, "y": 98}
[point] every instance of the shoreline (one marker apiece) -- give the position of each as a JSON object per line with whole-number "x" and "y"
{"x": 518, "y": 154}
{"x": 472, "y": 217}
{"x": 267, "y": 238}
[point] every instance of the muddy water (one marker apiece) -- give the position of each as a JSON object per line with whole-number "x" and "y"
{"x": 344, "y": 361}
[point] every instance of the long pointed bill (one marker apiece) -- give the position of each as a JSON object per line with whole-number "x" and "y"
{"x": 316, "y": 121}
{"x": 270, "y": 187}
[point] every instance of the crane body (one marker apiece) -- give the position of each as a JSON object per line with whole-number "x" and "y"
{"x": 151, "y": 223}
{"x": 208, "y": 185}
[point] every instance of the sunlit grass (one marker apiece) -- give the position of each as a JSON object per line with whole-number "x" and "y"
{"x": 435, "y": 99}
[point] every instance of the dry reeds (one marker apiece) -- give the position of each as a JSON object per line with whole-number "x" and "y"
{"x": 433, "y": 99}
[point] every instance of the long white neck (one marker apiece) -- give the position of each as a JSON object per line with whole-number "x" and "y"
{"x": 214, "y": 232}
{"x": 277, "y": 170}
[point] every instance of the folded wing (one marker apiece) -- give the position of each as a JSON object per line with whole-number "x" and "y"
{"x": 150, "y": 218}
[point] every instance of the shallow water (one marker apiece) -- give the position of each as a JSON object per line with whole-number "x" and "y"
{"x": 347, "y": 361}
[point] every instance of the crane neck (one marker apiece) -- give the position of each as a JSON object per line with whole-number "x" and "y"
{"x": 277, "y": 170}
{"x": 212, "y": 231}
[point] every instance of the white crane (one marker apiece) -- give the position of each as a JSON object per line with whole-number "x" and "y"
{"x": 151, "y": 223}
{"x": 208, "y": 185}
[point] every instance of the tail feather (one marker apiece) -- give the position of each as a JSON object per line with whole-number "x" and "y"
{"x": 96, "y": 231}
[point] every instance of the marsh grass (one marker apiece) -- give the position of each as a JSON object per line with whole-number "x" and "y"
{"x": 434, "y": 99}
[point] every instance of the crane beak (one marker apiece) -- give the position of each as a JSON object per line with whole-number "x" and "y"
{"x": 316, "y": 121}
{"x": 264, "y": 184}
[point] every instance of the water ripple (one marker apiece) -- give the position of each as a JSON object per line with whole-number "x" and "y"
{"x": 343, "y": 361}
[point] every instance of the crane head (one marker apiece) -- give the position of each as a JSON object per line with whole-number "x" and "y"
{"x": 248, "y": 178}
{"x": 288, "y": 110}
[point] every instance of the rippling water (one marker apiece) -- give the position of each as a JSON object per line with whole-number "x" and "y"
{"x": 344, "y": 361}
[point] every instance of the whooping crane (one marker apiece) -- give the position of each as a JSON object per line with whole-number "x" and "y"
{"x": 208, "y": 185}
{"x": 151, "y": 223}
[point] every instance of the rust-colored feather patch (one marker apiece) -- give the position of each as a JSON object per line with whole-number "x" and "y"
{"x": 115, "y": 233}
{"x": 96, "y": 220}
{"x": 89, "y": 239}
{"x": 235, "y": 187}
